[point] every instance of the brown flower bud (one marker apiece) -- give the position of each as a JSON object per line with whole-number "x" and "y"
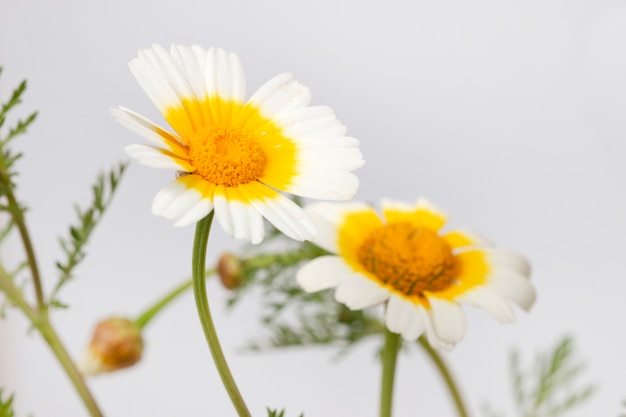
{"x": 230, "y": 269}
{"x": 116, "y": 344}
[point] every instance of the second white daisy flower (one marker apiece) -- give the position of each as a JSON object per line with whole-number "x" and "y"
{"x": 235, "y": 156}
{"x": 420, "y": 273}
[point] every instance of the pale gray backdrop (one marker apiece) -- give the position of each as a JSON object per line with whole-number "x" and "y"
{"x": 508, "y": 114}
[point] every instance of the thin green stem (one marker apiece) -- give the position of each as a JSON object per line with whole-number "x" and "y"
{"x": 50, "y": 335}
{"x": 38, "y": 316}
{"x": 41, "y": 322}
{"x": 201, "y": 238}
{"x": 447, "y": 376}
{"x": 20, "y": 222}
{"x": 15, "y": 296}
{"x": 390, "y": 356}
{"x": 153, "y": 310}
{"x": 307, "y": 251}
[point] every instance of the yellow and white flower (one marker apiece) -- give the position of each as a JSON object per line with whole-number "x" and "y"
{"x": 421, "y": 273}
{"x": 235, "y": 156}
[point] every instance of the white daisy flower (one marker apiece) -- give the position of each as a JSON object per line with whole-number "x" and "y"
{"x": 235, "y": 156}
{"x": 420, "y": 273}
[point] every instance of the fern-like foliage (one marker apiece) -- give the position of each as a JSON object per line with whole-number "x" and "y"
{"x": 293, "y": 317}
{"x": 74, "y": 245}
{"x": 8, "y": 158}
{"x": 273, "y": 413}
{"x": 550, "y": 387}
{"x": 6, "y": 405}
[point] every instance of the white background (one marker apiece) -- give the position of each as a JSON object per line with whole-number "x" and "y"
{"x": 510, "y": 115}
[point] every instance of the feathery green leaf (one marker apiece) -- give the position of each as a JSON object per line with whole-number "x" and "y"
{"x": 550, "y": 387}
{"x": 6, "y": 405}
{"x": 74, "y": 245}
{"x": 276, "y": 413}
{"x": 319, "y": 319}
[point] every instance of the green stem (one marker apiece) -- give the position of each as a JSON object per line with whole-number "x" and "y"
{"x": 50, "y": 335}
{"x": 41, "y": 322}
{"x": 15, "y": 296}
{"x": 390, "y": 356}
{"x": 201, "y": 238}
{"x": 447, "y": 376}
{"x": 307, "y": 251}
{"x": 18, "y": 218}
{"x": 152, "y": 311}
{"x": 39, "y": 318}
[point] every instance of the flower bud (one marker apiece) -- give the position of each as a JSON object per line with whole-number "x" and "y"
{"x": 230, "y": 271}
{"x": 116, "y": 344}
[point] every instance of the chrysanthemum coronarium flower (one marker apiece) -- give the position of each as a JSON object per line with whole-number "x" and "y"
{"x": 421, "y": 273}
{"x": 233, "y": 155}
{"x": 116, "y": 344}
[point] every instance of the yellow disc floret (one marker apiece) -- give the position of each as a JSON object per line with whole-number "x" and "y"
{"x": 409, "y": 259}
{"x": 226, "y": 156}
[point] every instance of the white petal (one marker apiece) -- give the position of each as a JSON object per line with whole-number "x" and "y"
{"x": 327, "y": 230}
{"x": 331, "y": 155}
{"x": 154, "y": 157}
{"x": 325, "y": 157}
{"x": 178, "y": 78}
{"x": 194, "y": 214}
{"x": 514, "y": 287}
{"x": 404, "y": 317}
{"x": 222, "y": 211}
{"x": 398, "y": 313}
{"x": 191, "y": 62}
{"x": 155, "y": 85}
{"x": 237, "y": 217}
{"x": 312, "y": 123}
{"x": 322, "y": 273}
{"x": 329, "y": 217}
{"x": 449, "y": 320}
{"x": 256, "y": 228}
{"x": 433, "y": 339}
{"x": 279, "y": 96}
{"x": 331, "y": 143}
{"x": 283, "y": 213}
{"x": 223, "y": 75}
{"x": 324, "y": 184}
{"x": 147, "y": 129}
{"x": 180, "y": 204}
{"x": 170, "y": 69}
{"x": 357, "y": 292}
{"x": 508, "y": 259}
{"x": 490, "y": 302}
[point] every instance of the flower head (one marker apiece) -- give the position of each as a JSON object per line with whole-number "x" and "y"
{"x": 116, "y": 344}
{"x": 420, "y": 273}
{"x": 235, "y": 156}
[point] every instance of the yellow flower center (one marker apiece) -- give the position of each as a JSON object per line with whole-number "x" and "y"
{"x": 227, "y": 157}
{"x": 409, "y": 259}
